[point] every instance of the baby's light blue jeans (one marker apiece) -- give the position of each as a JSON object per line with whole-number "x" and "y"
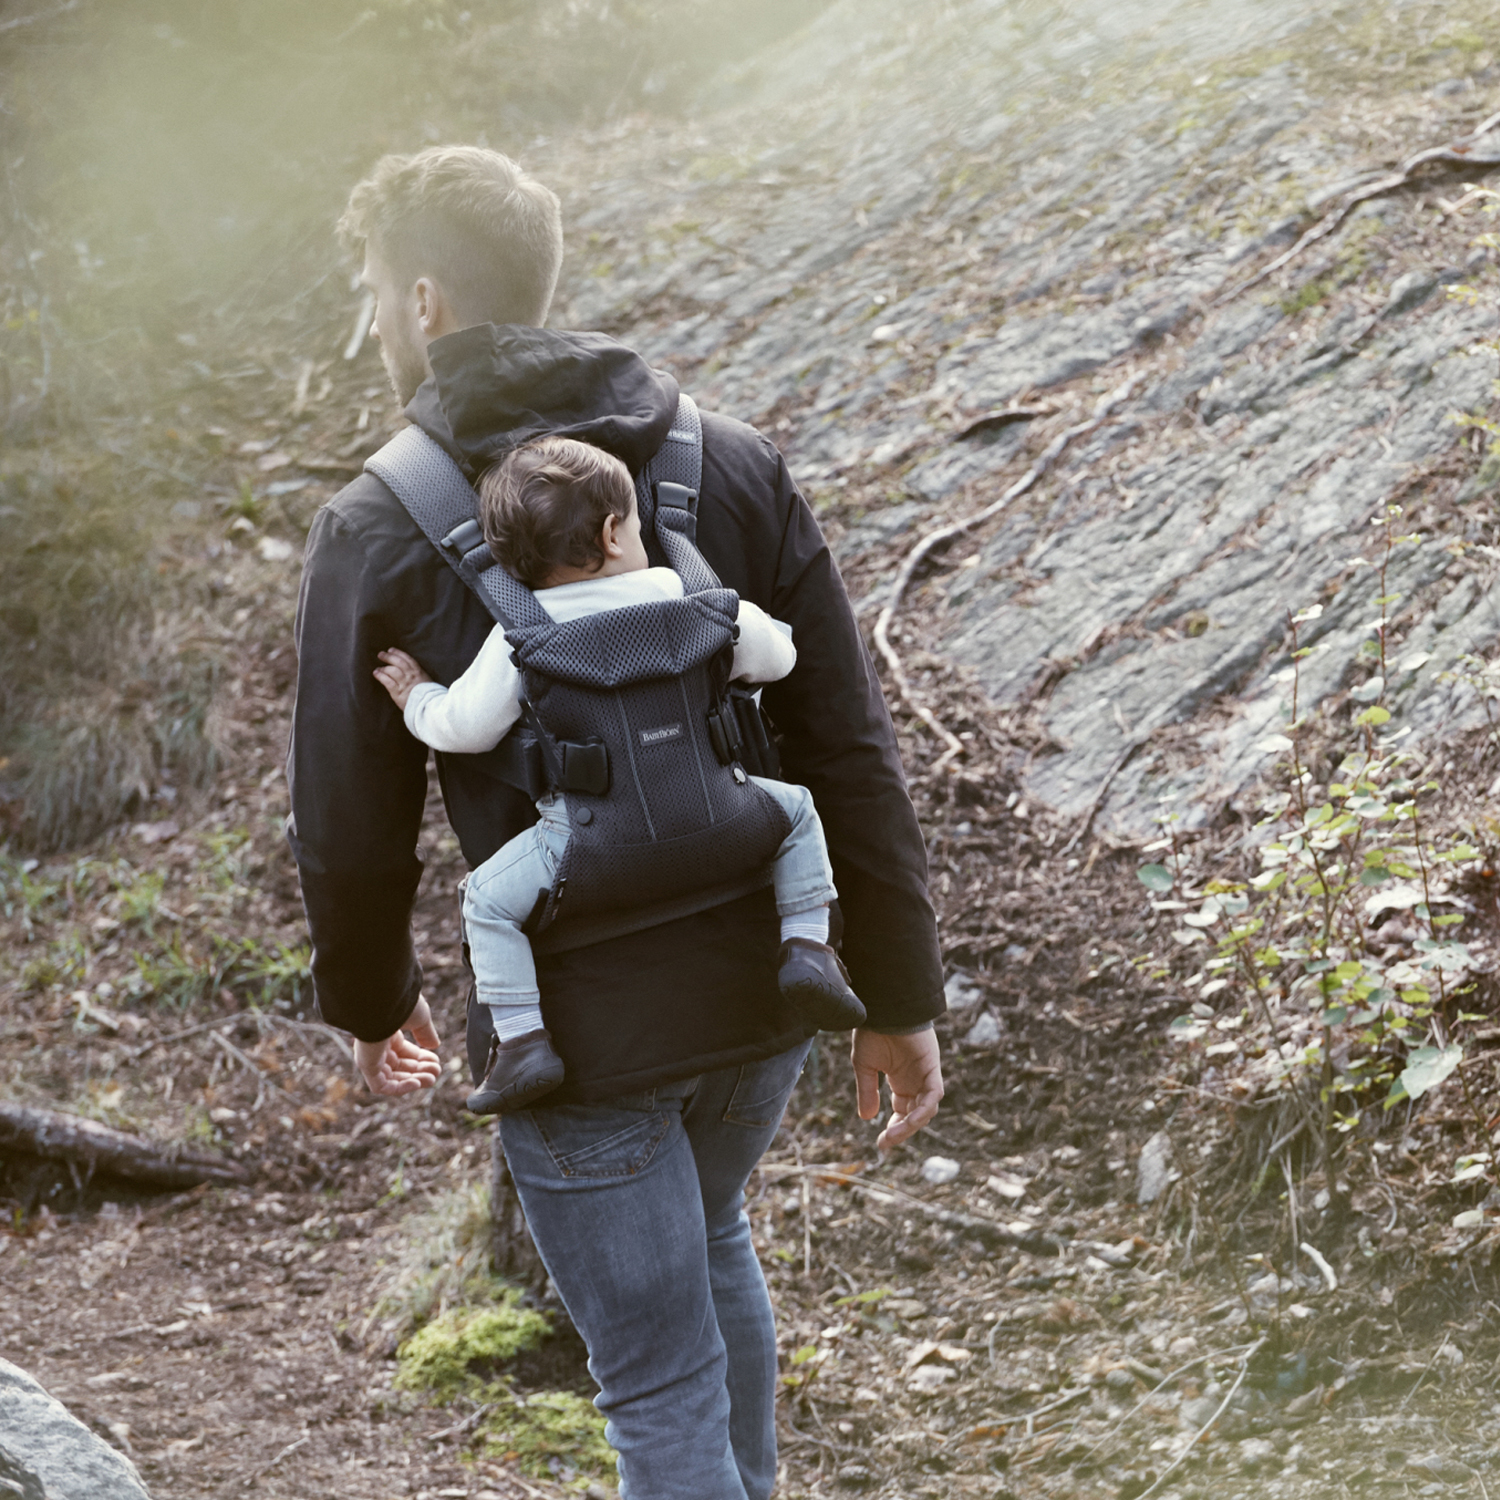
{"x": 502, "y": 892}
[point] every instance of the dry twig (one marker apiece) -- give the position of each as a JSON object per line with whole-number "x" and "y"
{"x": 1460, "y": 151}
{"x": 264, "y": 1079}
{"x": 289, "y": 1449}
{"x": 1177, "y": 1462}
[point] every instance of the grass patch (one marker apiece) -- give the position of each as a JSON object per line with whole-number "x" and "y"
{"x": 179, "y": 974}
{"x": 104, "y": 694}
{"x": 444, "y": 1263}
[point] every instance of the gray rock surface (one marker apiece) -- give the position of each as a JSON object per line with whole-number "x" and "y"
{"x": 895, "y": 221}
{"x": 1153, "y": 1171}
{"x": 46, "y": 1453}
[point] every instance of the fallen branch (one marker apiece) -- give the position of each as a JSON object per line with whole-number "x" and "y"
{"x": 1460, "y": 151}
{"x": 945, "y": 534}
{"x": 1109, "y": 780}
{"x": 84, "y": 1143}
{"x": 991, "y": 1231}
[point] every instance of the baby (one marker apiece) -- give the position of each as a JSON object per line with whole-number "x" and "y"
{"x": 561, "y": 516}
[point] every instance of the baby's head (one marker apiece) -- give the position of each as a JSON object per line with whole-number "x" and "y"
{"x": 556, "y": 511}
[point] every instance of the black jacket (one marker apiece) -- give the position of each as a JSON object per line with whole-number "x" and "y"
{"x": 655, "y": 1005}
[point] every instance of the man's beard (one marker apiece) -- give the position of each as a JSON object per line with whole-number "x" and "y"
{"x": 406, "y": 367}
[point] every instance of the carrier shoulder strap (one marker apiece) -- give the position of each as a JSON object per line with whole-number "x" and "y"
{"x": 422, "y": 475}
{"x": 437, "y": 496}
{"x": 666, "y": 493}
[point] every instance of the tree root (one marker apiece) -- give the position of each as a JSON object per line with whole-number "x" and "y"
{"x": 89, "y": 1147}
{"x": 1460, "y": 151}
{"x": 945, "y": 534}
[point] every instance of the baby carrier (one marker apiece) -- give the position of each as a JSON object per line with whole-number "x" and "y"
{"x": 627, "y": 713}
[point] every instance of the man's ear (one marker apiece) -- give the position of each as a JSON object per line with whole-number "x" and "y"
{"x": 434, "y": 311}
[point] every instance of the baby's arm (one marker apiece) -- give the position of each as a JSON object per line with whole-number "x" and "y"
{"x": 762, "y": 653}
{"x": 474, "y": 714}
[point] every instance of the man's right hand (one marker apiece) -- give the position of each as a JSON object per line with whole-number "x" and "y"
{"x": 402, "y": 1065}
{"x": 915, "y": 1071}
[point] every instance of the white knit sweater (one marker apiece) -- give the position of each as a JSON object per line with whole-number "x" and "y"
{"x": 474, "y": 714}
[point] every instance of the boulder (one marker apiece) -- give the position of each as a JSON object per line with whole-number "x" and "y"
{"x": 46, "y": 1453}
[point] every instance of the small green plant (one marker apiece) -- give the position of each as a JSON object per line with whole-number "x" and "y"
{"x": 228, "y": 862}
{"x": 66, "y": 961}
{"x": 171, "y": 975}
{"x": 25, "y": 890}
{"x": 1335, "y": 970}
{"x": 244, "y": 504}
{"x": 138, "y": 900}
{"x": 264, "y": 974}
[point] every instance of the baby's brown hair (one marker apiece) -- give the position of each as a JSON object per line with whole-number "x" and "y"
{"x": 544, "y": 505}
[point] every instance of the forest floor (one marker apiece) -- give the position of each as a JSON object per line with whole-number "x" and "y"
{"x": 1025, "y": 1328}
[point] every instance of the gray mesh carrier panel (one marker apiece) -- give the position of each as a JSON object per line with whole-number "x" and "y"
{"x": 677, "y": 831}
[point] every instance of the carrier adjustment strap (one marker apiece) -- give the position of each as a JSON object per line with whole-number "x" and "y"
{"x": 676, "y": 530}
{"x": 678, "y": 461}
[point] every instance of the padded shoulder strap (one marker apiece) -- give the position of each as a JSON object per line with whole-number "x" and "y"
{"x": 667, "y": 495}
{"x": 437, "y": 496}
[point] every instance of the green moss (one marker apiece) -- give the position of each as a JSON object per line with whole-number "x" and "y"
{"x": 547, "y": 1430}
{"x": 551, "y": 1434}
{"x": 1309, "y": 294}
{"x": 438, "y": 1357}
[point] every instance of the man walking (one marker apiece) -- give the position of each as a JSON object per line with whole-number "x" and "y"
{"x": 680, "y": 1053}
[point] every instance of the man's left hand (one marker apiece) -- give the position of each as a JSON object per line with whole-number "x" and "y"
{"x": 402, "y": 1065}
{"x": 913, "y": 1069}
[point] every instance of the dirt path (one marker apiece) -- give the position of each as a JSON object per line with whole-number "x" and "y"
{"x": 1004, "y": 1332}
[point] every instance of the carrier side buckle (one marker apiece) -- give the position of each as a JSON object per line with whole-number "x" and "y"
{"x": 724, "y": 734}
{"x": 585, "y": 767}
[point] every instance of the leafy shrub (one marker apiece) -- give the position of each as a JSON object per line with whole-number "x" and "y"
{"x": 1336, "y": 970}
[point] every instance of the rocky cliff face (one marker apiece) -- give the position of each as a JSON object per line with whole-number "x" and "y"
{"x": 901, "y": 220}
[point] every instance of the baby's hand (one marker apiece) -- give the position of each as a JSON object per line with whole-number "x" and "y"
{"x": 399, "y": 675}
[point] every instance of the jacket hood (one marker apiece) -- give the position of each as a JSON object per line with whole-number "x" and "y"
{"x": 494, "y": 387}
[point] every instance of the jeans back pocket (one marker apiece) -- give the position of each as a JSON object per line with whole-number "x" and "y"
{"x": 587, "y": 1141}
{"x": 761, "y": 1091}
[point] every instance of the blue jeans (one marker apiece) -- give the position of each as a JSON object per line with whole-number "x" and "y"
{"x": 637, "y": 1208}
{"x": 501, "y": 893}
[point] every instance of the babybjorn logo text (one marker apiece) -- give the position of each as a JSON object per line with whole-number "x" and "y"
{"x": 665, "y": 732}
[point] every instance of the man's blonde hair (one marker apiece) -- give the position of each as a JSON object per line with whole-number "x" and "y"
{"x": 488, "y": 233}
